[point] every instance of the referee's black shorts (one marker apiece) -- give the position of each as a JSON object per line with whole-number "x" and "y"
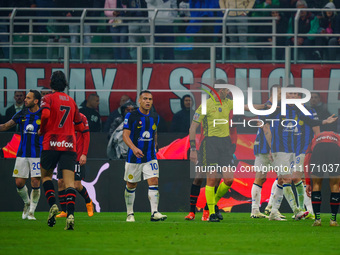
{"x": 215, "y": 151}
{"x": 325, "y": 160}
{"x": 64, "y": 159}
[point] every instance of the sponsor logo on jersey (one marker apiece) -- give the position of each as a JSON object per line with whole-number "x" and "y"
{"x": 145, "y": 137}
{"x": 327, "y": 137}
{"x": 30, "y": 129}
{"x": 62, "y": 144}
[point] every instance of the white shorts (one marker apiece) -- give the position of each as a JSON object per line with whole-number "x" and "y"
{"x": 133, "y": 172}
{"x": 262, "y": 163}
{"x": 299, "y": 163}
{"x": 283, "y": 162}
{"x": 24, "y": 166}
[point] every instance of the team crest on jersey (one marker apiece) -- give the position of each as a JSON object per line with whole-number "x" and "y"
{"x": 130, "y": 176}
{"x": 154, "y": 126}
{"x": 196, "y": 116}
{"x": 38, "y": 122}
{"x": 140, "y": 122}
{"x": 301, "y": 122}
{"x": 219, "y": 109}
{"x": 16, "y": 171}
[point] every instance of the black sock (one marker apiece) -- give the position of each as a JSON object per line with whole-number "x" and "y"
{"x": 316, "y": 203}
{"x": 206, "y": 207}
{"x": 194, "y": 193}
{"x": 49, "y": 192}
{"x": 217, "y": 210}
{"x": 62, "y": 200}
{"x": 335, "y": 201}
{"x": 70, "y": 200}
{"x": 85, "y": 195}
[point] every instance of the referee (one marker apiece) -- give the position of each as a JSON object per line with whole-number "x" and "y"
{"x": 216, "y": 150}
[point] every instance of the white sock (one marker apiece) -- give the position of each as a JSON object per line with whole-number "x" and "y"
{"x": 277, "y": 198}
{"x": 154, "y": 198}
{"x": 300, "y": 194}
{"x": 289, "y": 195}
{"x": 271, "y": 198}
{"x": 129, "y": 199}
{"x": 35, "y": 195}
{"x": 255, "y": 198}
{"x": 308, "y": 201}
{"x": 23, "y": 193}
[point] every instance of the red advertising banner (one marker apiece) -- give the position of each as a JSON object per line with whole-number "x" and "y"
{"x": 174, "y": 79}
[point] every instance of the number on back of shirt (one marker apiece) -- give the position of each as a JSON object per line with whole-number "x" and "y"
{"x": 66, "y": 110}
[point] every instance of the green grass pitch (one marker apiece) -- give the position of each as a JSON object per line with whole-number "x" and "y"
{"x": 108, "y": 233}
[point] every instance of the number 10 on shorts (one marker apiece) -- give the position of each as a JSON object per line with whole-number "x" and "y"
{"x": 154, "y": 166}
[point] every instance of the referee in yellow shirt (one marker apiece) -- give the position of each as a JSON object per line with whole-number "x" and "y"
{"x": 216, "y": 152}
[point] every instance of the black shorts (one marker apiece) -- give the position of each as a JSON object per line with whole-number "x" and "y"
{"x": 325, "y": 160}
{"x": 79, "y": 172}
{"x": 215, "y": 151}
{"x": 64, "y": 159}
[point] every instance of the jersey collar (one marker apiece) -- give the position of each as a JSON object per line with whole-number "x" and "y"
{"x": 143, "y": 113}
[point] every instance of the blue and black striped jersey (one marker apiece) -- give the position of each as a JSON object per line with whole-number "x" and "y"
{"x": 261, "y": 145}
{"x": 304, "y": 134}
{"x": 283, "y": 135}
{"x": 143, "y": 129}
{"x": 29, "y": 124}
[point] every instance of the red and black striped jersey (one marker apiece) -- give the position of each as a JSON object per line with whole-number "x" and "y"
{"x": 59, "y": 117}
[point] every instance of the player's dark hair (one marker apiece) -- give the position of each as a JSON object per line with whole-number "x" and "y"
{"x": 145, "y": 91}
{"x": 92, "y": 95}
{"x": 58, "y": 81}
{"x": 36, "y": 95}
{"x": 318, "y": 93}
{"x": 219, "y": 81}
{"x": 274, "y": 86}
